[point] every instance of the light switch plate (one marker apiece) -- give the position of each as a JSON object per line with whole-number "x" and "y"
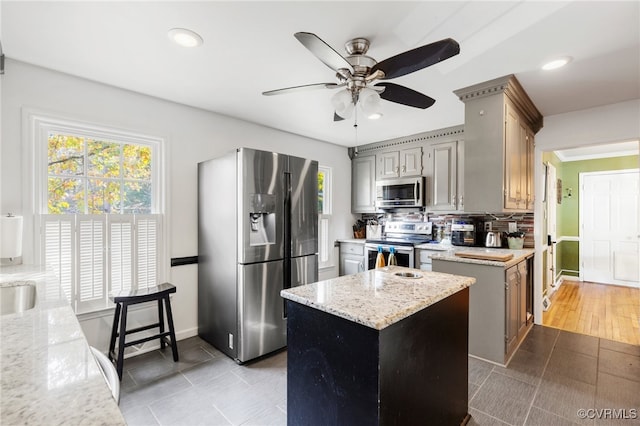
{"x": 513, "y": 227}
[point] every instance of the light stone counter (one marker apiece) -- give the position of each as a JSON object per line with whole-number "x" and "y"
{"x": 351, "y": 240}
{"x": 47, "y": 372}
{"x": 378, "y": 298}
{"x": 518, "y": 256}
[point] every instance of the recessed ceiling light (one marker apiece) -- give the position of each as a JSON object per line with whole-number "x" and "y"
{"x": 556, "y": 63}
{"x": 184, "y": 37}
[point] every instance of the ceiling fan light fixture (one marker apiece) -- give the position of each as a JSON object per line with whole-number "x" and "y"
{"x": 370, "y": 104}
{"x": 556, "y": 63}
{"x": 343, "y": 103}
{"x": 184, "y": 37}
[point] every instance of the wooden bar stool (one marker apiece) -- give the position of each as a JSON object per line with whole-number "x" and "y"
{"x": 131, "y": 297}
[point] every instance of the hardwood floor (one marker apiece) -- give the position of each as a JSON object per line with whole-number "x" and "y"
{"x": 602, "y": 310}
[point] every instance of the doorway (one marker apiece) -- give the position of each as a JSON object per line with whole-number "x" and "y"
{"x": 584, "y": 302}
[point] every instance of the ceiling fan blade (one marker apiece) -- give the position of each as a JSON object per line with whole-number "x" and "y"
{"x": 323, "y": 51}
{"x": 405, "y": 96}
{"x": 417, "y": 59}
{"x": 301, "y": 88}
{"x": 336, "y": 117}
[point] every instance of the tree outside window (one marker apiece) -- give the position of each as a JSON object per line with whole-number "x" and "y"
{"x": 90, "y": 176}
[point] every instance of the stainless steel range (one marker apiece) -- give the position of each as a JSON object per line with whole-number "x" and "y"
{"x": 403, "y": 237}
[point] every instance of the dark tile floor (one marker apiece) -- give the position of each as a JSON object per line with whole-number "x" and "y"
{"x": 553, "y": 375}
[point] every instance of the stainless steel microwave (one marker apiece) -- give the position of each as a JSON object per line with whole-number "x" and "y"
{"x": 404, "y": 192}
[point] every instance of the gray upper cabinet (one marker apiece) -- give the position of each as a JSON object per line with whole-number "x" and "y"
{"x": 363, "y": 184}
{"x": 444, "y": 188}
{"x": 395, "y": 164}
{"x": 388, "y": 165}
{"x": 500, "y": 123}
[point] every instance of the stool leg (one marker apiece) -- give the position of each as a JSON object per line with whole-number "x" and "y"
{"x": 114, "y": 332}
{"x": 123, "y": 332}
{"x": 161, "y": 322}
{"x": 172, "y": 331}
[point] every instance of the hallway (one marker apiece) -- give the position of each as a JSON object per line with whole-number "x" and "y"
{"x": 601, "y": 310}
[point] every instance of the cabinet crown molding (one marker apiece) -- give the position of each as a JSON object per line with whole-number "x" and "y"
{"x": 509, "y": 86}
{"x": 407, "y": 140}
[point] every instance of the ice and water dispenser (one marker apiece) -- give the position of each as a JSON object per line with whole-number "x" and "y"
{"x": 262, "y": 219}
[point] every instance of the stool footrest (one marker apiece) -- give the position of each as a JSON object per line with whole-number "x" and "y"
{"x": 139, "y": 329}
{"x": 146, "y": 339}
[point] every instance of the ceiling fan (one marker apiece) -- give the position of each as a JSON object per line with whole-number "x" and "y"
{"x": 357, "y": 73}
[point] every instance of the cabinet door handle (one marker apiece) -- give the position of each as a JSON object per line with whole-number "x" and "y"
{"x": 361, "y": 267}
{"x": 453, "y": 200}
{"x": 404, "y": 169}
{"x": 461, "y": 201}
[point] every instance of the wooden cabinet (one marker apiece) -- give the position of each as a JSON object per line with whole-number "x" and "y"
{"x": 500, "y": 123}
{"x": 518, "y": 156}
{"x": 500, "y": 306}
{"x": 394, "y": 164}
{"x": 516, "y": 292}
{"x": 444, "y": 188}
{"x": 351, "y": 258}
{"x": 363, "y": 184}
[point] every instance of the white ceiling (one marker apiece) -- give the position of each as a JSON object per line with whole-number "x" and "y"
{"x": 249, "y": 48}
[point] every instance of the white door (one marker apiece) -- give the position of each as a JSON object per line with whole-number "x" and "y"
{"x": 552, "y": 204}
{"x": 609, "y": 227}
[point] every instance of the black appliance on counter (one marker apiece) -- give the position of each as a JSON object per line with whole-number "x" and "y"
{"x": 467, "y": 232}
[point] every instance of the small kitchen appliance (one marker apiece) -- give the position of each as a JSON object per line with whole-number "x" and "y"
{"x": 493, "y": 239}
{"x": 467, "y": 232}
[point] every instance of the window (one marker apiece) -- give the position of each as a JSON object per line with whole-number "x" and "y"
{"x": 324, "y": 212}
{"x": 100, "y": 204}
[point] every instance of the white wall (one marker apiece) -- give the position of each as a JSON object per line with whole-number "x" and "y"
{"x": 606, "y": 124}
{"x": 193, "y": 135}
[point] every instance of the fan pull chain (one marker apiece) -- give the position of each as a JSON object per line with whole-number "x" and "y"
{"x": 355, "y": 123}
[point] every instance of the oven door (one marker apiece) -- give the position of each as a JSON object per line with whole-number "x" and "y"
{"x": 404, "y": 255}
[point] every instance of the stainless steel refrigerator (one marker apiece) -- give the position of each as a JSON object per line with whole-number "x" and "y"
{"x": 258, "y": 234}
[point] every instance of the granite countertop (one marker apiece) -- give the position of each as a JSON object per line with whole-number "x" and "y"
{"x": 378, "y": 298}
{"x": 48, "y": 374}
{"x": 352, "y": 240}
{"x": 518, "y": 256}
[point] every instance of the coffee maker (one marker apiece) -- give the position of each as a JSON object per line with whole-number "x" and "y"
{"x": 467, "y": 232}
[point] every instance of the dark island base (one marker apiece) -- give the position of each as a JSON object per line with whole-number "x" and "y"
{"x": 413, "y": 372}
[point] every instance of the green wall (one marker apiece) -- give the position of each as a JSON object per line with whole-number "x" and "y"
{"x": 568, "y": 211}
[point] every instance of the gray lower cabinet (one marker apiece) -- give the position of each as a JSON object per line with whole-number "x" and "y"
{"x": 499, "y": 307}
{"x": 351, "y": 258}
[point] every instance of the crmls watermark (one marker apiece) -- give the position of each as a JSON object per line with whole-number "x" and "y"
{"x": 608, "y": 413}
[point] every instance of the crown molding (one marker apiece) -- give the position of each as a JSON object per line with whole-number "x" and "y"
{"x": 510, "y": 87}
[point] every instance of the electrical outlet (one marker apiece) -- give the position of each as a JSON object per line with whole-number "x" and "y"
{"x": 488, "y": 226}
{"x": 513, "y": 227}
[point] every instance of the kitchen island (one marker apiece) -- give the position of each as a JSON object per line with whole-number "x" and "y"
{"x": 48, "y": 374}
{"x": 378, "y": 347}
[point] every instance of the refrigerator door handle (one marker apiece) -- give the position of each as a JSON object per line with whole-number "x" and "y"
{"x": 287, "y": 231}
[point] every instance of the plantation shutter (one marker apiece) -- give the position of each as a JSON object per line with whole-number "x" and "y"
{"x": 120, "y": 264}
{"x": 91, "y": 239}
{"x": 57, "y": 251}
{"x": 147, "y": 242}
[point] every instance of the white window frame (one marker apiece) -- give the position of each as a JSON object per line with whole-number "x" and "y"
{"x": 325, "y": 248}
{"x": 37, "y": 125}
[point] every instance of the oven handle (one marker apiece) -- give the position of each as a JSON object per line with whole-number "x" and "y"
{"x": 385, "y": 248}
